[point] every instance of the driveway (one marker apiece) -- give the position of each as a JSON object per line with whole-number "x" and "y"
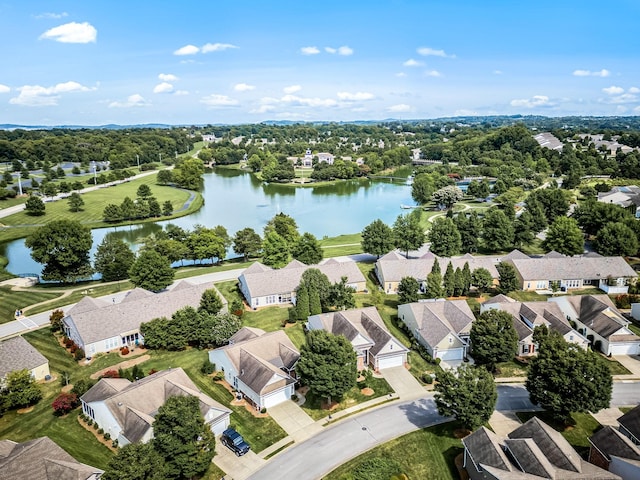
{"x": 503, "y": 423}
{"x": 631, "y": 362}
{"x": 294, "y": 420}
{"x": 403, "y": 383}
{"x": 236, "y": 468}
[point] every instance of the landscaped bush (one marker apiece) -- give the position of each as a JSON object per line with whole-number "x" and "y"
{"x": 110, "y": 374}
{"x": 114, "y": 444}
{"x": 73, "y": 348}
{"x": 207, "y": 367}
{"x": 124, "y": 350}
{"x": 263, "y": 410}
{"x": 100, "y": 431}
{"x": 107, "y": 436}
{"x": 427, "y": 378}
{"x": 78, "y": 354}
{"x": 64, "y": 403}
{"x": 82, "y": 386}
{"x": 67, "y": 342}
{"x": 90, "y": 422}
{"x": 218, "y": 376}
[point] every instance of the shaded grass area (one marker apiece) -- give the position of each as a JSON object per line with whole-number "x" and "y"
{"x": 425, "y": 454}
{"x": 616, "y": 367}
{"x": 512, "y": 368}
{"x": 10, "y": 300}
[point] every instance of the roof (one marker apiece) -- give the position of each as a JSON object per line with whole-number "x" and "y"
{"x": 137, "y": 293}
{"x": 18, "y": 354}
{"x": 437, "y": 319}
{"x": 245, "y": 333}
{"x": 610, "y": 441}
{"x": 484, "y": 447}
{"x": 631, "y": 421}
{"x": 579, "y": 267}
{"x": 41, "y": 459}
{"x": 600, "y": 314}
{"x": 97, "y": 320}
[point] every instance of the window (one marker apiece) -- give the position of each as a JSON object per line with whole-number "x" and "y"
{"x": 542, "y": 285}
{"x": 525, "y": 349}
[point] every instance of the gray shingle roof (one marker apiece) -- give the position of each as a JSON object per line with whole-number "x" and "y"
{"x": 610, "y": 441}
{"x": 437, "y": 319}
{"x": 567, "y": 268}
{"x": 484, "y": 447}
{"x": 599, "y": 313}
{"x": 245, "y": 333}
{"x": 18, "y": 354}
{"x": 530, "y": 457}
{"x": 631, "y": 421}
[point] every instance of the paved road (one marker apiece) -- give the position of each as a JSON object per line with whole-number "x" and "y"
{"x": 355, "y": 435}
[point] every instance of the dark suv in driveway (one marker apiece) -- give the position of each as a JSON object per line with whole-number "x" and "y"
{"x": 234, "y": 441}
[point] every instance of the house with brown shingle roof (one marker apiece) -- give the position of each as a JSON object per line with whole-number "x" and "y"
{"x": 597, "y": 317}
{"x": 366, "y": 331}
{"x": 41, "y": 459}
{"x": 265, "y": 286}
{"x": 441, "y": 326}
{"x": 18, "y": 354}
{"x": 532, "y": 451}
{"x": 259, "y": 365}
{"x": 126, "y": 410}
{"x": 99, "y": 326}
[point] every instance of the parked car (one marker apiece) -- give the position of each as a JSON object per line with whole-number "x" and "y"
{"x": 234, "y": 441}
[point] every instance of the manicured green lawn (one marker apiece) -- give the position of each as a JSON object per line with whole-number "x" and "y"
{"x": 616, "y": 367}
{"x": 348, "y": 244}
{"x": 513, "y": 368}
{"x": 523, "y": 296}
{"x": 424, "y": 454}
{"x": 296, "y": 334}
{"x": 10, "y": 300}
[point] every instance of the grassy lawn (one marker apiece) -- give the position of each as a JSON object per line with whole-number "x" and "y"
{"x": 583, "y": 425}
{"x": 295, "y": 333}
{"x": 341, "y": 245}
{"x": 418, "y": 366}
{"x": 634, "y": 328}
{"x": 513, "y": 368}
{"x": 11, "y": 300}
{"x": 616, "y": 367}
{"x": 424, "y": 454}
{"x": 522, "y": 296}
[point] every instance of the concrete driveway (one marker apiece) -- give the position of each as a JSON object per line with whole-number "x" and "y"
{"x": 236, "y": 468}
{"x": 403, "y": 383}
{"x": 631, "y": 362}
{"x": 503, "y": 423}
{"x": 294, "y": 420}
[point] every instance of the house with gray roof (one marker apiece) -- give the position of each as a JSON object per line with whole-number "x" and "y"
{"x": 613, "y": 451}
{"x": 126, "y": 410}
{"x": 630, "y": 424}
{"x": 610, "y": 274}
{"x": 597, "y": 318}
{"x": 532, "y": 451}
{"x": 99, "y": 326}
{"x": 366, "y": 331}
{"x": 259, "y": 365}
{"x": 624, "y": 196}
{"x": 265, "y": 286}
{"x": 441, "y": 326}
{"x": 18, "y": 354}
{"x": 42, "y": 459}
{"x": 528, "y": 315}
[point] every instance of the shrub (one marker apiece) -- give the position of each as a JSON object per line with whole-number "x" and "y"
{"x": 90, "y": 422}
{"x": 79, "y": 354}
{"x": 73, "y": 348}
{"x": 107, "y": 436}
{"x": 114, "y": 444}
{"x": 437, "y": 361}
{"x": 427, "y": 378}
{"x": 110, "y": 374}
{"x": 207, "y": 367}
{"x": 218, "y": 376}
{"x": 124, "y": 350}
{"x": 56, "y": 320}
{"x": 263, "y": 410}
{"x": 64, "y": 403}
{"x": 67, "y": 342}
{"x": 100, "y": 430}
{"x": 152, "y": 371}
{"x": 82, "y": 386}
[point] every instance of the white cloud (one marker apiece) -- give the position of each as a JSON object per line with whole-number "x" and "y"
{"x": 243, "y": 87}
{"x": 330, "y": 50}
{"x": 292, "y": 89}
{"x": 187, "y": 50}
{"x": 637, "y": 109}
{"x": 214, "y": 101}
{"x": 426, "y": 51}
{"x": 433, "y": 73}
{"x": 263, "y": 109}
{"x": 135, "y": 100}
{"x": 39, "y": 96}
{"x": 533, "y": 102}
{"x": 624, "y": 98}
{"x": 497, "y": 72}
{"x": 308, "y": 101}
{"x": 167, "y": 77}
{"x": 72, "y": 33}
{"x": 634, "y": 90}
{"x": 613, "y": 90}
{"x": 588, "y": 73}
{"x": 310, "y": 50}
{"x": 401, "y": 74}
{"x": 413, "y": 63}
{"x": 163, "y": 87}
{"x": 51, "y": 15}
{"x": 401, "y": 107}
{"x": 345, "y": 51}
{"x": 217, "y": 47}
{"x": 4, "y": 89}
{"x": 181, "y": 93}
{"x": 355, "y": 97}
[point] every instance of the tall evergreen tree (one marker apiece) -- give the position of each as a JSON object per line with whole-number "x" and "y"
{"x": 449, "y": 281}
{"x": 466, "y": 276}
{"x": 434, "y": 285}
{"x": 508, "y": 278}
{"x": 302, "y": 303}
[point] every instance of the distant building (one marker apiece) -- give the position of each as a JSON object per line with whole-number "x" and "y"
{"x": 626, "y": 197}
{"x": 18, "y": 354}
{"x": 325, "y": 157}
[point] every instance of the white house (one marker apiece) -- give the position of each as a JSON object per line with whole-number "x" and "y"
{"x": 126, "y": 410}
{"x": 259, "y": 365}
{"x": 18, "y": 354}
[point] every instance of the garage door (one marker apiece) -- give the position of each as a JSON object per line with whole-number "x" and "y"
{"x": 624, "y": 349}
{"x": 277, "y": 397}
{"x": 389, "y": 362}
{"x": 451, "y": 354}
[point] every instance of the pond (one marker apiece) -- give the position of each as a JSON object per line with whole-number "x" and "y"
{"x": 237, "y": 199}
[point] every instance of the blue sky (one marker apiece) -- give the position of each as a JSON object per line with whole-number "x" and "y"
{"x": 194, "y": 62}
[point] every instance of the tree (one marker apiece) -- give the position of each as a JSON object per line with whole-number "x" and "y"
{"x": 275, "y": 250}
{"x": 482, "y": 279}
{"x": 127, "y": 209}
{"x": 554, "y": 202}
{"x": 302, "y": 302}
{"x": 247, "y": 243}
{"x": 341, "y": 295}
{"x": 479, "y": 189}
{"x": 182, "y": 438}
{"x": 407, "y": 233}
{"x": 498, "y": 233}
{"x": 468, "y": 394}
{"x": 470, "y": 229}
{"x": 207, "y": 243}
{"x": 164, "y": 177}
{"x": 224, "y": 326}
{"x": 111, "y": 213}
{"x": 444, "y": 237}
{"x": 493, "y": 338}
{"x": 144, "y": 191}
{"x": 563, "y": 378}
{"x": 307, "y": 249}
{"x": 34, "y": 206}
{"x": 151, "y": 271}
{"x": 616, "y": 239}
{"x": 564, "y": 236}
{"x": 408, "y": 290}
{"x": 135, "y": 461}
{"x": 63, "y": 247}
{"x": 283, "y": 225}
{"x": 508, "y": 278}
{"x": 19, "y": 390}
{"x": 449, "y": 281}
{"x": 524, "y": 230}
{"x": 210, "y": 302}
{"x": 56, "y": 320}
{"x": 188, "y": 173}
{"x": 434, "y": 285}
{"x": 447, "y": 196}
{"x": 64, "y": 403}
{"x": 377, "y": 238}
{"x": 113, "y": 259}
{"x": 328, "y": 364}
{"x": 75, "y": 202}
{"x": 466, "y": 278}
{"x": 167, "y": 207}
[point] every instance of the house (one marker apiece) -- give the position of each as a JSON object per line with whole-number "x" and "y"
{"x": 307, "y": 160}
{"x": 126, "y": 410}
{"x": 18, "y": 354}
{"x": 366, "y": 331}
{"x": 325, "y": 157}
{"x": 259, "y": 365}
{"x": 265, "y": 286}
{"x": 96, "y": 325}
{"x": 611, "y": 450}
{"x": 528, "y": 315}
{"x": 609, "y": 274}
{"x": 626, "y": 197}
{"x": 532, "y": 451}
{"x": 42, "y": 459}
{"x": 630, "y": 425}
{"x": 598, "y": 319}
{"x": 441, "y": 326}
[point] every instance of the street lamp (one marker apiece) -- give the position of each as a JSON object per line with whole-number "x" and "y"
{"x": 138, "y": 161}
{"x": 95, "y": 177}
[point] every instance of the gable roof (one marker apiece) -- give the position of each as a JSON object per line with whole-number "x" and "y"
{"x": 137, "y": 293}
{"x": 41, "y": 459}
{"x": 610, "y": 441}
{"x": 599, "y": 314}
{"x": 484, "y": 447}
{"x": 552, "y": 267}
{"x": 530, "y": 458}
{"x": 98, "y": 320}
{"x": 631, "y": 421}
{"x": 437, "y": 319}
{"x": 246, "y": 333}
{"x": 18, "y": 354}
